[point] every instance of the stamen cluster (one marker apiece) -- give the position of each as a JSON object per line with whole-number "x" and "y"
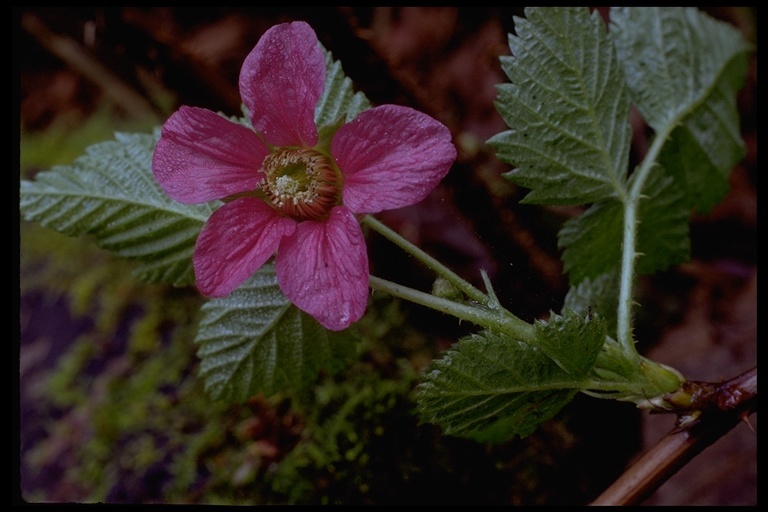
{"x": 301, "y": 183}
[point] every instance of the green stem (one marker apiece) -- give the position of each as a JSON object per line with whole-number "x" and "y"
{"x": 491, "y": 319}
{"x": 626, "y": 279}
{"x": 634, "y": 388}
{"x": 440, "y": 269}
{"x": 488, "y": 313}
{"x": 629, "y": 244}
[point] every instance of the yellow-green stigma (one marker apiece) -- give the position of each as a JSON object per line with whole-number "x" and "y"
{"x": 301, "y": 183}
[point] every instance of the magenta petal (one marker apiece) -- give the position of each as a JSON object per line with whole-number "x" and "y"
{"x": 235, "y": 242}
{"x": 323, "y": 269}
{"x": 391, "y": 156}
{"x": 281, "y": 81}
{"x": 202, "y": 156}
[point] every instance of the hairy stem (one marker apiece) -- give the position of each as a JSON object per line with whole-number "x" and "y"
{"x": 629, "y": 243}
{"x": 488, "y": 318}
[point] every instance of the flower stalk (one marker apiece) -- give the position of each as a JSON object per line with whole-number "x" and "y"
{"x": 486, "y": 310}
{"x": 479, "y": 315}
{"x": 461, "y": 284}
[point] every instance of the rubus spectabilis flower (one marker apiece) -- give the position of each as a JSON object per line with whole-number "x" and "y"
{"x": 290, "y": 191}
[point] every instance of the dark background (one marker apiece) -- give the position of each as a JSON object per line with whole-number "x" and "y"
{"x": 143, "y": 62}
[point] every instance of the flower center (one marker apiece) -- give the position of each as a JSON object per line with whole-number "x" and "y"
{"x": 301, "y": 183}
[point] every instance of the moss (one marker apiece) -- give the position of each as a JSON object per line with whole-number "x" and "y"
{"x": 333, "y": 462}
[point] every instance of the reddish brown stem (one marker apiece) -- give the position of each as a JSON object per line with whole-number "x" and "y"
{"x": 726, "y": 404}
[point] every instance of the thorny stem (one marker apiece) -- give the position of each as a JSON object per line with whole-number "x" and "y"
{"x": 723, "y": 406}
{"x": 629, "y": 242}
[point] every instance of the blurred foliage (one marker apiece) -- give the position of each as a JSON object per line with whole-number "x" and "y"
{"x": 67, "y": 137}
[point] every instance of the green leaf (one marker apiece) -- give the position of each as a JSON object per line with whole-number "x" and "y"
{"x": 663, "y": 233}
{"x": 572, "y": 341}
{"x": 592, "y": 241}
{"x": 111, "y": 194}
{"x": 339, "y": 98}
{"x": 674, "y": 60}
{"x": 703, "y": 184}
{"x": 255, "y": 341}
{"x": 490, "y": 386}
{"x": 567, "y": 108}
{"x": 598, "y": 295}
{"x": 685, "y": 69}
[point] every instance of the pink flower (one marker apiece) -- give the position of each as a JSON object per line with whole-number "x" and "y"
{"x": 290, "y": 191}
